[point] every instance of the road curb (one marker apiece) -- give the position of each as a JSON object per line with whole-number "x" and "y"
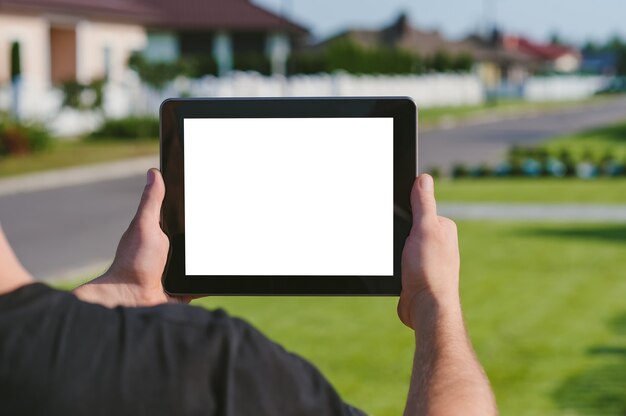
{"x": 77, "y": 176}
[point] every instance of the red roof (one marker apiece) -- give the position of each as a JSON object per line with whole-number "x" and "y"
{"x": 538, "y": 50}
{"x": 175, "y": 14}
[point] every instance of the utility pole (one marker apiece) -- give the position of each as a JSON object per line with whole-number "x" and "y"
{"x": 490, "y": 15}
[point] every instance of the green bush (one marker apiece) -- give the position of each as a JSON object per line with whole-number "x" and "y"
{"x": 19, "y": 138}
{"x": 198, "y": 66}
{"x": 83, "y": 96}
{"x": 348, "y": 56}
{"x": 306, "y": 63}
{"x": 158, "y": 74}
{"x": 441, "y": 61}
{"x": 252, "y": 61}
{"x": 129, "y": 128}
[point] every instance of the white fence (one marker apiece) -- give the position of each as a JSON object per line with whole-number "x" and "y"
{"x": 563, "y": 87}
{"x": 427, "y": 91}
{"x": 131, "y": 97}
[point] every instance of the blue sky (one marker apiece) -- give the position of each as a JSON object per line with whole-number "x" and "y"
{"x": 575, "y": 20}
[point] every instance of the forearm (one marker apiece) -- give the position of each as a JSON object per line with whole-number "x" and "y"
{"x": 447, "y": 378}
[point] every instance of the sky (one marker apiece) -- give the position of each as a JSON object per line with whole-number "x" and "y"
{"x": 574, "y": 20}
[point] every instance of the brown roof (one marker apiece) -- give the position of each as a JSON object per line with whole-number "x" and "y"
{"x": 174, "y": 14}
{"x": 492, "y": 50}
{"x": 402, "y": 35}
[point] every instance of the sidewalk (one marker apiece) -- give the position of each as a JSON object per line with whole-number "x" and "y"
{"x": 573, "y": 212}
{"x": 81, "y": 175}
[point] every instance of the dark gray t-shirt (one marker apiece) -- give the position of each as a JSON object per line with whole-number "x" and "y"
{"x": 62, "y": 356}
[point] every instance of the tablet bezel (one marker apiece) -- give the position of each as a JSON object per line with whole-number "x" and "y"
{"x": 172, "y": 115}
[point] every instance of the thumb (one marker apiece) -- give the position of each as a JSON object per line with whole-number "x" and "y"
{"x": 152, "y": 198}
{"x": 423, "y": 204}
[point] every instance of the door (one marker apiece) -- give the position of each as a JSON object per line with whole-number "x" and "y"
{"x": 62, "y": 54}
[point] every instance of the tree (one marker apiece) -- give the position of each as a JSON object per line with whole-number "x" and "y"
{"x": 16, "y": 76}
{"x": 555, "y": 39}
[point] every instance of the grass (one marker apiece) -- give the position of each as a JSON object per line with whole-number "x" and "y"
{"x": 544, "y": 306}
{"x": 526, "y": 190}
{"x": 598, "y": 142}
{"x": 65, "y": 154}
{"x": 433, "y": 117}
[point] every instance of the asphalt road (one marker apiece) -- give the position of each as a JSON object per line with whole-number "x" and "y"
{"x": 488, "y": 142}
{"x": 66, "y": 232}
{"x": 58, "y": 233}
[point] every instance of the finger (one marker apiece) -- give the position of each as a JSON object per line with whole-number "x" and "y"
{"x": 152, "y": 198}
{"x": 423, "y": 202}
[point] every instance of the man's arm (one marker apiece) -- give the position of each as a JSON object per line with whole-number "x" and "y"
{"x": 447, "y": 378}
{"x": 12, "y": 274}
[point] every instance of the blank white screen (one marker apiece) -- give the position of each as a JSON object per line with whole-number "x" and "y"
{"x": 309, "y": 196}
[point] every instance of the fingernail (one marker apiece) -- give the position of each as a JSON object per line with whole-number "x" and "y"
{"x": 426, "y": 183}
{"x": 150, "y": 177}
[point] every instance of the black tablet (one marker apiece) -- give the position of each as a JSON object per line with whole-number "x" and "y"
{"x": 287, "y": 196}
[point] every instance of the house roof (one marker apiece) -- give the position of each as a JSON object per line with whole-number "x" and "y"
{"x": 492, "y": 50}
{"x": 538, "y": 50}
{"x": 174, "y": 14}
{"x": 402, "y": 35}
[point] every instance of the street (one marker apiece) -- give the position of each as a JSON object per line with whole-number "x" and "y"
{"x": 56, "y": 232}
{"x": 59, "y": 232}
{"x": 488, "y": 142}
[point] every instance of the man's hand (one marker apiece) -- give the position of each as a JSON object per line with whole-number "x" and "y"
{"x": 430, "y": 260}
{"x": 134, "y": 278}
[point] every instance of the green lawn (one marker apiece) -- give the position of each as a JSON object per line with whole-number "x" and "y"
{"x": 610, "y": 139}
{"x": 524, "y": 190}
{"x": 65, "y": 154}
{"x": 545, "y": 306}
{"x": 598, "y": 142}
{"x": 541, "y": 303}
{"x": 432, "y": 117}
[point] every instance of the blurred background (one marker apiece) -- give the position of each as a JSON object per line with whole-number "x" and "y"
{"x": 522, "y": 120}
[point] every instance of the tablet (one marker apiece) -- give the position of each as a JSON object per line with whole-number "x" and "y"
{"x": 287, "y": 196}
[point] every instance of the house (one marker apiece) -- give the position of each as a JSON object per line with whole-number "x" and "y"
{"x": 552, "y": 57}
{"x": 400, "y": 34}
{"x": 498, "y": 67}
{"x": 493, "y": 63}
{"x": 83, "y": 40}
{"x": 221, "y": 28}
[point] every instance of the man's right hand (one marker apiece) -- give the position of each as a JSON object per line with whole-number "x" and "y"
{"x": 430, "y": 260}
{"x": 447, "y": 378}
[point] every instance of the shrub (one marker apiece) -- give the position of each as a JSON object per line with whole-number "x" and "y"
{"x": 441, "y": 61}
{"x": 459, "y": 170}
{"x": 83, "y": 96}
{"x": 480, "y": 171}
{"x": 128, "y": 128}
{"x": 306, "y": 63}
{"x": 252, "y": 61}
{"x": 18, "y": 138}
{"x": 435, "y": 172}
{"x": 157, "y": 74}
{"x": 349, "y": 56}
